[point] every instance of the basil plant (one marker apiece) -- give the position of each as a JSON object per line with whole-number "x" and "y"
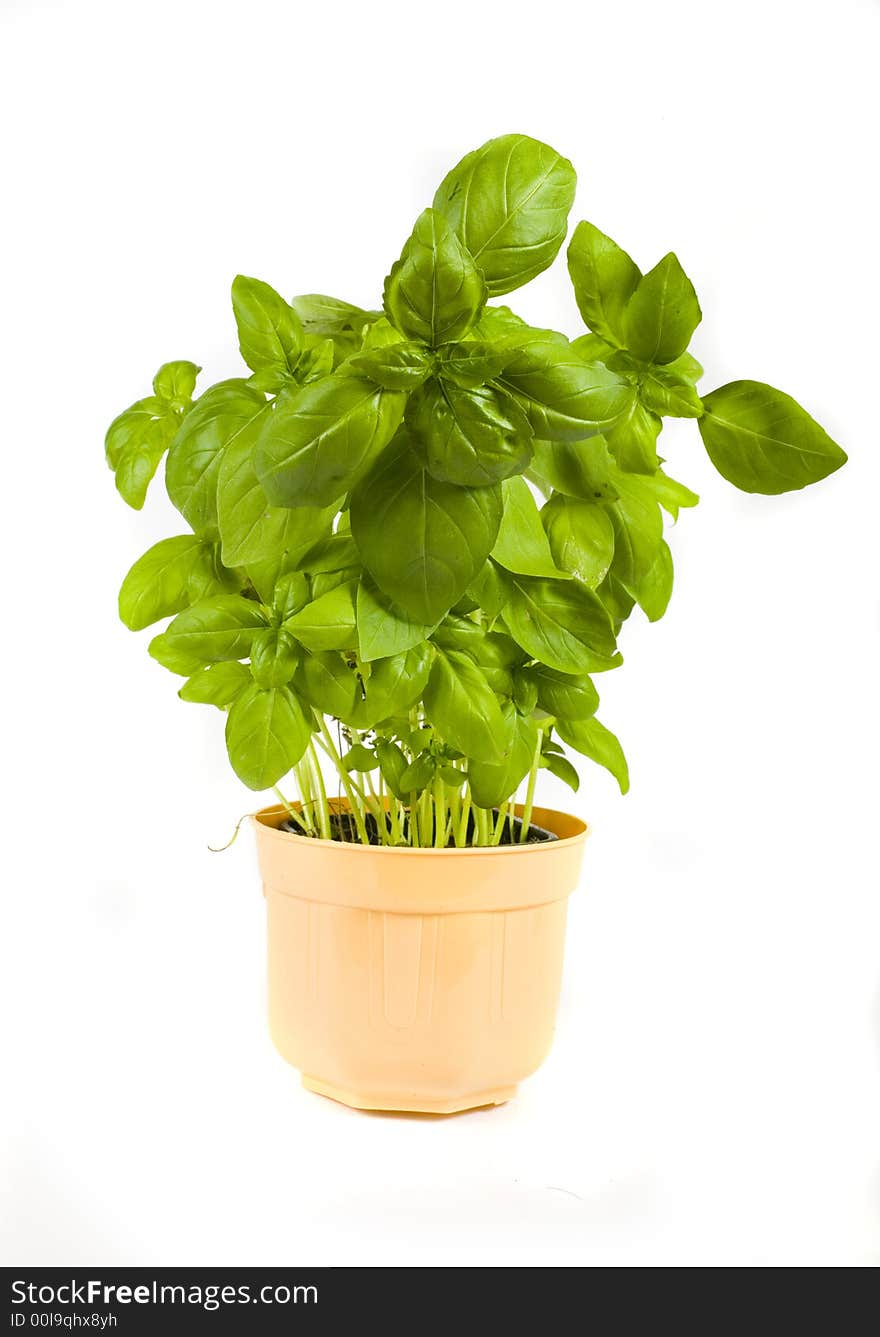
{"x": 410, "y": 536}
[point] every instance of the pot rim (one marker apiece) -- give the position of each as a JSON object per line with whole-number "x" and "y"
{"x": 266, "y": 819}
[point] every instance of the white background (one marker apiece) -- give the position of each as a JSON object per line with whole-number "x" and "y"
{"x": 713, "y": 1096}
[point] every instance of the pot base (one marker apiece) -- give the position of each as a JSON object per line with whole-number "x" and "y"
{"x": 395, "y": 1105}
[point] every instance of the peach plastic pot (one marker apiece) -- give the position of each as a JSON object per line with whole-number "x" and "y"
{"x": 415, "y": 979}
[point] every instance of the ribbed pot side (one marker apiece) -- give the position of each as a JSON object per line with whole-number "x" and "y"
{"x": 415, "y": 979}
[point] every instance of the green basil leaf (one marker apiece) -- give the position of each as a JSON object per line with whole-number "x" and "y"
{"x": 633, "y": 439}
{"x": 522, "y": 544}
{"x": 423, "y": 541}
{"x": 250, "y": 529}
{"x": 267, "y": 733}
{"x": 561, "y": 694}
{"x": 270, "y": 335}
{"x": 593, "y": 740}
{"x": 604, "y": 278}
{"x": 222, "y": 627}
{"x": 227, "y": 414}
{"x": 434, "y": 292}
{"x": 216, "y": 684}
{"x": 384, "y": 628}
{"x": 472, "y": 363}
{"x": 334, "y": 553}
{"x": 169, "y": 577}
{"x": 562, "y": 768}
{"x": 579, "y": 469}
{"x": 392, "y": 764}
{"x": 492, "y": 783}
{"x": 669, "y": 394}
{"x": 328, "y": 622}
{"x": 329, "y": 318}
{"x": 509, "y": 202}
{"x": 490, "y": 587}
{"x": 501, "y": 327}
{"x": 323, "y": 437}
{"x": 580, "y": 538}
{"x": 560, "y": 623}
{"x": 128, "y": 428}
{"x": 135, "y": 443}
{"x": 662, "y": 313}
{"x": 327, "y": 683}
{"x": 360, "y": 758}
{"x": 460, "y": 633}
{"x": 761, "y": 440}
{"x": 463, "y": 708}
{"x": 291, "y": 593}
{"x": 274, "y": 657}
{"x": 175, "y": 382}
{"x": 671, "y": 495}
{"x": 617, "y": 599}
{"x": 590, "y": 348}
{"x": 654, "y": 590}
{"x": 686, "y": 366}
{"x": 393, "y": 685}
{"x": 564, "y": 397}
{"x": 171, "y": 656}
{"x": 402, "y": 366}
{"x": 525, "y": 692}
{"x": 317, "y": 360}
{"x": 472, "y": 438}
{"x": 418, "y": 774}
{"x": 638, "y": 528}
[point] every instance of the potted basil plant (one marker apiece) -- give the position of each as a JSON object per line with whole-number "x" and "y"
{"x": 409, "y": 539}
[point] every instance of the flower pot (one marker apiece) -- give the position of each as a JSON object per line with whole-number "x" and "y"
{"x": 415, "y": 979}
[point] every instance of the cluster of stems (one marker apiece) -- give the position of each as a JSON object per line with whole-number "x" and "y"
{"x": 440, "y": 815}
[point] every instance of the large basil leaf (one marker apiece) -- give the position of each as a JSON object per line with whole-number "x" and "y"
{"x": 384, "y": 628}
{"x": 761, "y": 440}
{"x": 172, "y": 657}
{"x": 328, "y": 622}
{"x": 267, "y": 732}
{"x": 577, "y": 468}
{"x": 522, "y": 544}
{"x": 328, "y": 684}
{"x": 509, "y": 202}
{"x": 322, "y": 438}
{"x": 423, "y": 541}
{"x": 580, "y": 537}
{"x": 393, "y": 685}
{"x": 463, "y": 708}
{"x": 170, "y": 576}
{"x": 270, "y": 335}
{"x": 654, "y": 590}
{"x": 472, "y": 438}
{"x": 492, "y": 783}
{"x": 593, "y": 740}
{"x": 434, "y": 291}
{"x": 604, "y": 279}
{"x": 662, "y": 313}
{"x": 564, "y": 397}
{"x": 222, "y": 627}
{"x": 228, "y": 413}
{"x": 250, "y": 529}
{"x": 560, "y": 623}
{"x": 216, "y": 684}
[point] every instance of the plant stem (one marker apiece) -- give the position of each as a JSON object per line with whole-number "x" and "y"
{"x": 356, "y": 806}
{"x": 291, "y": 811}
{"x": 323, "y": 805}
{"x": 530, "y": 790}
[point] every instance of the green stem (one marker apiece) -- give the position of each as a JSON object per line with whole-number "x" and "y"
{"x": 355, "y": 802}
{"x": 291, "y": 811}
{"x": 323, "y": 805}
{"x": 530, "y": 790}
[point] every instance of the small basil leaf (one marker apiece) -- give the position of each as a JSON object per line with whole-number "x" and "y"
{"x": 491, "y": 588}
{"x": 175, "y": 382}
{"x": 522, "y": 544}
{"x": 633, "y": 439}
{"x": 472, "y": 438}
{"x": 562, "y": 768}
{"x": 654, "y": 590}
{"x": 604, "y": 279}
{"x": 270, "y": 335}
{"x": 434, "y": 292}
{"x": 267, "y": 733}
{"x": 274, "y": 657}
{"x": 472, "y": 363}
{"x": 135, "y": 443}
{"x": 327, "y": 683}
{"x": 418, "y": 774}
{"x": 216, "y": 684}
{"x": 564, "y": 397}
{"x": 509, "y": 202}
{"x": 580, "y": 537}
{"x": 360, "y": 758}
{"x": 402, "y": 366}
{"x": 329, "y": 318}
{"x": 563, "y": 694}
{"x": 580, "y": 469}
{"x": 222, "y": 627}
{"x": 665, "y": 392}
{"x": 593, "y": 740}
{"x": 328, "y": 622}
{"x": 638, "y": 528}
{"x": 171, "y": 656}
{"x": 393, "y": 685}
{"x": 323, "y": 437}
{"x": 384, "y": 628}
{"x": 662, "y": 313}
{"x": 392, "y": 764}
{"x": 761, "y": 440}
{"x": 423, "y": 541}
{"x": 493, "y": 783}
{"x": 525, "y": 693}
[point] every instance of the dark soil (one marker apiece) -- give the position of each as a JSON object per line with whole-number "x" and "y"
{"x": 343, "y": 828}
